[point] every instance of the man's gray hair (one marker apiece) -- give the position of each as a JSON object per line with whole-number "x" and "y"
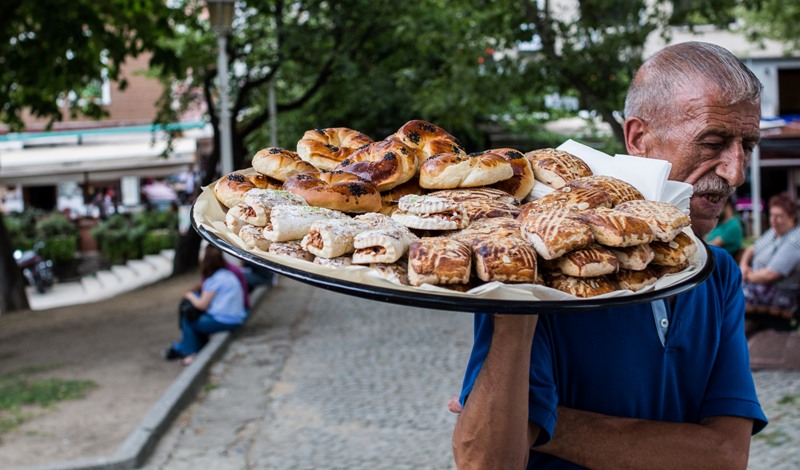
{"x": 688, "y": 65}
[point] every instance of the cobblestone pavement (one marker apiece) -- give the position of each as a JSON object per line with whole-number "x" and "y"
{"x": 319, "y": 380}
{"x": 777, "y": 447}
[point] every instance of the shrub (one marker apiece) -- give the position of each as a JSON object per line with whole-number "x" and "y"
{"x": 21, "y": 227}
{"x": 60, "y": 237}
{"x": 156, "y": 240}
{"x": 115, "y": 239}
{"x": 121, "y": 238}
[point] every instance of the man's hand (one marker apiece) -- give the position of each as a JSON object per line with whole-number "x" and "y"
{"x": 492, "y": 429}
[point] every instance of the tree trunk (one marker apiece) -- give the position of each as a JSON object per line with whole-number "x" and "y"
{"x": 12, "y": 283}
{"x": 186, "y": 253}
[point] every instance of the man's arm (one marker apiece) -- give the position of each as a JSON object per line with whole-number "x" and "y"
{"x": 598, "y": 441}
{"x": 492, "y": 430}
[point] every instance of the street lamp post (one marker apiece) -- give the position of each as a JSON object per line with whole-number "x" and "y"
{"x": 221, "y": 13}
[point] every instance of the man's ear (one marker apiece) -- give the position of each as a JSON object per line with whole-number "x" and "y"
{"x": 635, "y": 133}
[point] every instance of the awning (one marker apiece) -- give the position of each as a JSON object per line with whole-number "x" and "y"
{"x": 46, "y": 165}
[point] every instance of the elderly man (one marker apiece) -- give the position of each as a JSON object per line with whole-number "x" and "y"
{"x": 665, "y": 384}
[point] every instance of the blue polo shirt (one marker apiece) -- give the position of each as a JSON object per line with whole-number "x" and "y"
{"x": 648, "y": 361}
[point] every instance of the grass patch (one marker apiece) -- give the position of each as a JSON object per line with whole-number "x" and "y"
{"x": 774, "y": 439}
{"x": 21, "y": 393}
{"x": 788, "y": 400}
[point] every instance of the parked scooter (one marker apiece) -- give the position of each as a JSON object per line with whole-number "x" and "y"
{"x": 37, "y": 270}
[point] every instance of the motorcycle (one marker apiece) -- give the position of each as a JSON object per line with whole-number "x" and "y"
{"x": 38, "y": 271}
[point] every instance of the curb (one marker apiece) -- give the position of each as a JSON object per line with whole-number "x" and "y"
{"x": 133, "y": 453}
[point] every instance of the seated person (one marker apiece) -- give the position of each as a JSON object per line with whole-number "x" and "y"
{"x": 219, "y": 305}
{"x": 728, "y": 234}
{"x": 771, "y": 266}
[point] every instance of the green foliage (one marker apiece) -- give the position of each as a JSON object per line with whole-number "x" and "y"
{"x": 60, "y": 248}
{"x": 53, "y": 52}
{"x": 21, "y": 227}
{"x": 772, "y": 19}
{"x": 156, "y": 240}
{"x": 20, "y": 389}
{"x": 125, "y": 237}
{"x": 55, "y": 224}
{"x": 59, "y": 236}
{"x": 115, "y": 238}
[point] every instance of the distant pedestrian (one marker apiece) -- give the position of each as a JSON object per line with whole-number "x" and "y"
{"x": 219, "y": 305}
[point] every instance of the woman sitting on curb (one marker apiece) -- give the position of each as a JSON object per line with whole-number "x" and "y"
{"x": 218, "y": 306}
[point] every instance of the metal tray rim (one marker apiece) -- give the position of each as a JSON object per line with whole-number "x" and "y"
{"x": 453, "y": 303}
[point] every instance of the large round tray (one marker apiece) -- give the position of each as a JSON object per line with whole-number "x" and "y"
{"x": 456, "y": 301}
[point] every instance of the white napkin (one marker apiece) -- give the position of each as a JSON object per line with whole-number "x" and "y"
{"x": 648, "y": 175}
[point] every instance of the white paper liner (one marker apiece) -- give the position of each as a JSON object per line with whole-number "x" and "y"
{"x": 210, "y": 214}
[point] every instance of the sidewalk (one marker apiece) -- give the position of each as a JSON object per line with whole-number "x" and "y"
{"x": 315, "y": 380}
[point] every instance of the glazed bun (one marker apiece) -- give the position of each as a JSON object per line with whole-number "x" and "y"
{"x": 336, "y": 190}
{"x": 386, "y": 164}
{"x": 428, "y": 138}
{"x": 555, "y": 167}
{"x": 521, "y": 184}
{"x": 326, "y": 148}
{"x": 452, "y": 170}
{"x": 230, "y": 189}
{"x": 280, "y": 164}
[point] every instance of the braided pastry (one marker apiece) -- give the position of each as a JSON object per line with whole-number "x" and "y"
{"x": 326, "y": 148}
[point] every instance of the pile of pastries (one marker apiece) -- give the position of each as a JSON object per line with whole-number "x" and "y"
{"x": 417, "y": 209}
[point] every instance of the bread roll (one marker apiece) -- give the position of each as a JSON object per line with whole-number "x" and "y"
{"x": 336, "y": 190}
{"x": 581, "y": 286}
{"x": 591, "y": 261}
{"x": 555, "y": 232}
{"x": 556, "y": 167}
{"x": 430, "y": 213}
{"x": 676, "y": 252}
{"x": 280, "y": 164}
{"x": 618, "y": 191}
{"x": 229, "y": 190}
{"x": 613, "y": 228}
{"x": 665, "y": 220}
{"x": 481, "y": 229}
{"x": 253, "y": 237}
{"x": 439, "y": 260}
{"x": 579, "y": 199}
{"x": 261, "y": 202}
{"x": 521, "y": 184}
{"x": 395, "y": 272}
{"x": 504, "y": 259}
{"x": 429, "y": 139}
{"x": 292, "y": 249}
{"x": 386, "y": 164}
{"x": 289, "y": 222}
{"x": 635, "y": 257}
{"x": 452, "y": 170}
{"x": 385, "y": 245}
{"x": 635, "y": 280}
{"x": 480, "y": 203}
{"x": 326, "y": 148}
{"x": 477, "y": 194}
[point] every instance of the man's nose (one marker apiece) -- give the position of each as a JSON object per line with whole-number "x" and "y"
{"x": 731, "y": 166}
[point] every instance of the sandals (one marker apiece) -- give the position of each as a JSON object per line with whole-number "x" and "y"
{"x": 187, "y": 360}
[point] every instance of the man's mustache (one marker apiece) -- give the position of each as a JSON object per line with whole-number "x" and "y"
{"x": 712, "y": 183}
